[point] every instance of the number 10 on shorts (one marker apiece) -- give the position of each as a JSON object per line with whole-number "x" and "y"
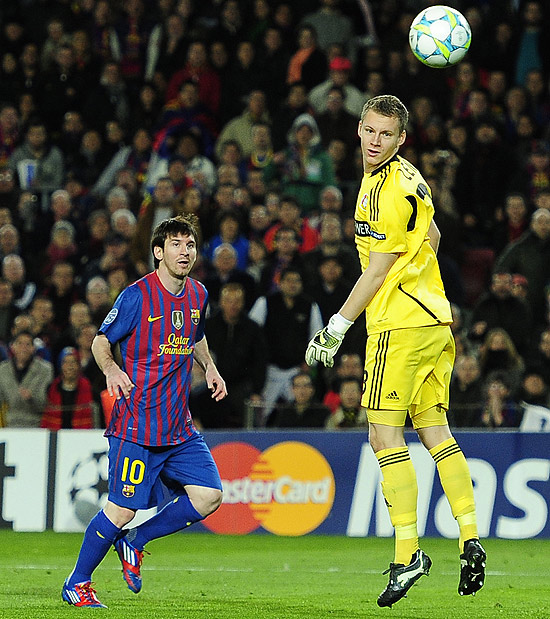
{"x": 133, "y": 471}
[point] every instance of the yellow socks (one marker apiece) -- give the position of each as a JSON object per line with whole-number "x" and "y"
{"x": 401, "y": 493}
{"x": 457, "y": 485}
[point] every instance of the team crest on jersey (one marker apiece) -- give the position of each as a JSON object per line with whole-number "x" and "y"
{"x": 128, "y": 490}
{"x": 195, "y": 316}
{"x": 364, "y": 202}
{"x": 177, "y": 319}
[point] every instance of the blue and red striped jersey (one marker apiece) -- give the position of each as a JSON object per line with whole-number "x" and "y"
{"x": 156, "y": 331}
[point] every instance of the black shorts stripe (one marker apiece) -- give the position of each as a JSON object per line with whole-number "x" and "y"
{"x": 378, "y": 371}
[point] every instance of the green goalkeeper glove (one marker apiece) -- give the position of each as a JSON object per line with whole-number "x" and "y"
{"x": 326, "y": 342}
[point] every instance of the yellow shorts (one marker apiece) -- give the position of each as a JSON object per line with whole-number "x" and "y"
{"x": 409, "y": 371}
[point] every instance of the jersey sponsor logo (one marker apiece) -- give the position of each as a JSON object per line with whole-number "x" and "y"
{"x": 195, "y": 316}
{"x": 153, "y": 318}
{"x": 288, "y": 489}
{"x": 177, "y": 319}
{"x": 111, "y": 316}
{"x": 176, "y": 345}
{"x": 362, "y": 228}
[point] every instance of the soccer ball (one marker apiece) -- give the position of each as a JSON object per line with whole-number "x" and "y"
{"x": 440, "y": 36}
{"x": 89, "y": 487}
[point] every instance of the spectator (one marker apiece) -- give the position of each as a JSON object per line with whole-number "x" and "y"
{"x": 186, "y": 113}
{"x": 499, "y": 308}
{"x": 304, "y": 168}
{"x": 514, "y": 223}
{"x": 332, "y": 26}
{"x": 349, "y": 413}
{"x": 24, "y": 380}
{"x": 61, "y": 248}
{"x": 9, "y": 132}
{"x": 14, "y": 271}
{"x": 55, "y": 40}
{"x": 97, "y": 298}
{"x": 124, "y": 222}
{"x": 132, "y": 30}
{"x": 198, "y": 70}
{"x": 78, "y": 315}
{"x": 199, "y": 169}
{"x": 239, "y": 347}
{"x": 285, "y": 254}
{"x": 146, "y": 111}
{"x": 61, "y": 88}
{"x": 39, "y": 164}
{"x": 10, "y": 240}
{"x": 289, "y": 319}
{"x": 242, "y": 77}
{"x": 498, "y": 354}
{"x": 339, "y": 77}
{"x": 229, "y": 228}
{"x": 135, "y": 157}
{"x": 166, "y": 48}
{"x": 90, "y": 369}
{"x": 348, "y": 365}
{"x": 259, "y": 222}
{"x": 8, "y": 311}
{"x": 295, "y": 104}
{"x": 331, "y": 245}
{"x": 116, "y": 255}
{"x": 500, "y": 409}
{"x": 63, "y": 291}
{"x": 336, "y": 123}
{"x": 530, "y": 256}
{"x": 108, "y": 100}
{"x": 309, "y": 63}
{"x": 303, "y": 411}
{"x": 224, "y": 270}
{"x": 239, "y": 129}
{"x": 466, "y": 393}
{"x": 289, "y": 217}
{"x": 273, "y": 59}
{"x": 69, "y": 398}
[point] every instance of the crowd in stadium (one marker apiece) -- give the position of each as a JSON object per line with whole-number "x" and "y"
{"x": 116, "y": 115}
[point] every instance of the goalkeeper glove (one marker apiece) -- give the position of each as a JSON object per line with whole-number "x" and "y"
{"x": 326, "y": 342}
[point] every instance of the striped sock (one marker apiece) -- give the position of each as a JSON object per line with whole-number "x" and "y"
{"x": 401, "y": 493}
{"x": 457, "y": 485}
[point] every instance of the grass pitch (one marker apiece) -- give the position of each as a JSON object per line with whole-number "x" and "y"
{"x": 256, "y": 577}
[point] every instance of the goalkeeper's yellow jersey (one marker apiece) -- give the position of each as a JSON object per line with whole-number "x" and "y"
{"x": 393, "y": 214}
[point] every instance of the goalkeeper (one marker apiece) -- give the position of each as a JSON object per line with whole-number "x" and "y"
{"x": 410, "y": 349}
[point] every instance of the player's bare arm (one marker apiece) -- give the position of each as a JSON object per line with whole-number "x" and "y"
{"x": 326, "y": 342}
{"x": 435, "y": 236}
{"x": 214, "y": 381}
{"x": 118, "y": 382}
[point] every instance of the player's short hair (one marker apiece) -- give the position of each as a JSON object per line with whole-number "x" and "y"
{"x": 186, "y": 225}
{"x": 387, "y": 105}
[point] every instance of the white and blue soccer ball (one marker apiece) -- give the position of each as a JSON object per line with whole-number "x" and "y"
{"x": 440, "y": 36}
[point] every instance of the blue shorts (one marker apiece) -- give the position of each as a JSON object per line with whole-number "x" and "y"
{"x": 139, "y": 475}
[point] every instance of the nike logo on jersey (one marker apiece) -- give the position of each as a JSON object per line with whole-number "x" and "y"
{"x": 153, "y": 318}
